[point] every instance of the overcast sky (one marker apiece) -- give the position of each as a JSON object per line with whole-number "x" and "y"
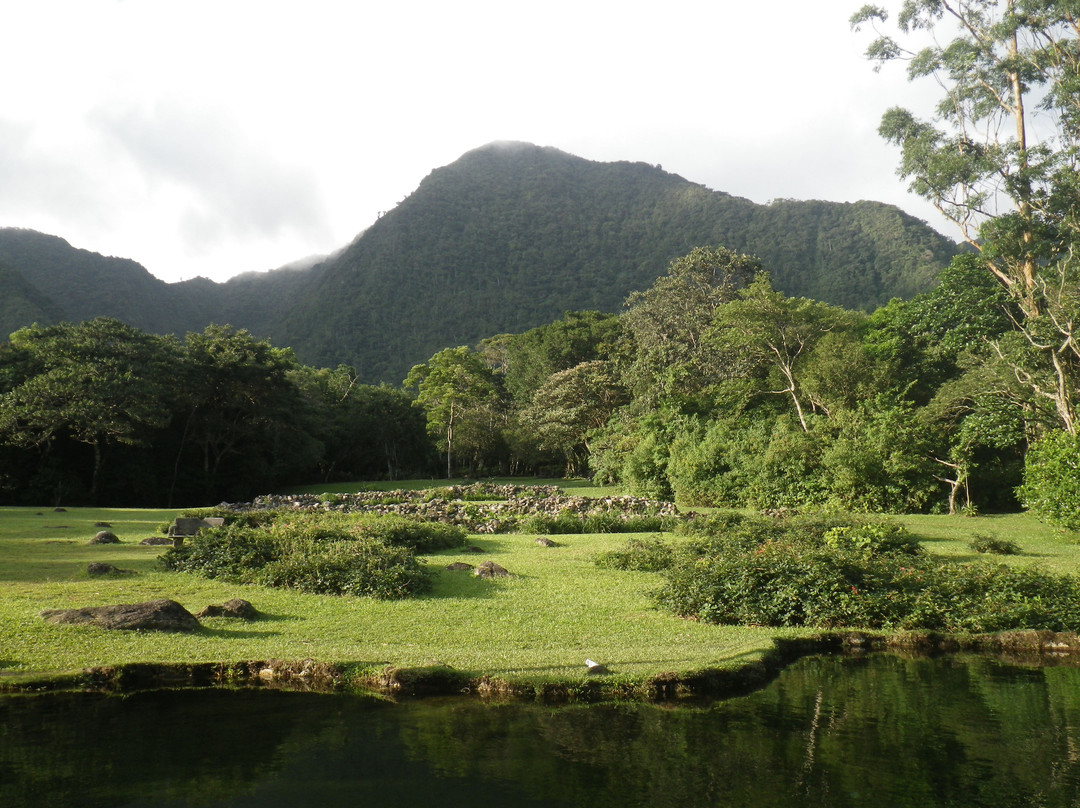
{"x": 212, "y": 138}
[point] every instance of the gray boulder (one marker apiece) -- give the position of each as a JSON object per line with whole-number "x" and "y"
{"x": 489, "y": 569}
{"x": 105, "y": 537}
{"x": 153, "y": 615}
{"x": 237, "y": 607}
{"x": 98, "y": 568}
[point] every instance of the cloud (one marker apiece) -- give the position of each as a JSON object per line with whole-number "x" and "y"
{"x": 35, "y": 182}
{"x": 226, "y": 181}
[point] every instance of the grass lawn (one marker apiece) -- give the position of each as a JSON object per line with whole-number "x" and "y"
{"x": 540, "y": 625}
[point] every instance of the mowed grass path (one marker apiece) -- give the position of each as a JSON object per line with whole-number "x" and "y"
{"x": 558, "y": 609}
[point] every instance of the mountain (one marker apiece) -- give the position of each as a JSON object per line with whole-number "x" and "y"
{"x": 511, "y": 236}
{"x": 508, "y": 237}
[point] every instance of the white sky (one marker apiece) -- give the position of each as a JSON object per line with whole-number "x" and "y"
{"x": 212, "y": 138}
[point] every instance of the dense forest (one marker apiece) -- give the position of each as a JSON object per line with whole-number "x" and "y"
{"x": 504, "y": 239}
{"x": 710, "y": 387}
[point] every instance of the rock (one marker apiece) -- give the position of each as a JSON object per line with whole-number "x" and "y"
{"x": 97, "y": 568}
{"x": 102, "y": 524}
{"x": 595, "y": 667}
{"x": 489, "y": 569}
{"x": 237, "y": 607}
{"x": 157, "y": 540}
{"x": 459, "y": 565}
{"x": 544, "y": 541}
{"x": 473, "y": 549}
{"x": 153, "y": 615}
{"x": 105, "y": 537}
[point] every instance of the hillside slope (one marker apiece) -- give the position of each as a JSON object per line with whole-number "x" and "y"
{"x": 508, "y": 237}
{"x": 511, "y": 236}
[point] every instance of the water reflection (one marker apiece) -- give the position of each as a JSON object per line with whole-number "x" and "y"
{"x": 830, "y": 731}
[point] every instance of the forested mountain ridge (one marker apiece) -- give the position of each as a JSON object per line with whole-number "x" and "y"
{"x": 504, "y": 239}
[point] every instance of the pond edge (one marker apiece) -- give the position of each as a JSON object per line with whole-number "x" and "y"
{"x": 1029, "y": 648}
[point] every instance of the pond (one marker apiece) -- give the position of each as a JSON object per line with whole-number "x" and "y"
{"x": 830, "y": 731}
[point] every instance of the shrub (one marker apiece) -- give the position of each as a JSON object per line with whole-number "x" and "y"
{"x": 992, "y": 544}
{"x": 643, "y": 555}
{"x": 421, "y": 537}
{"x": 318, "y": 553}
{"x": 868, "y": 575}
{"x": 231, "y": 552}
{"x": 873, "y": 538}
{"x": 349, "y": 568}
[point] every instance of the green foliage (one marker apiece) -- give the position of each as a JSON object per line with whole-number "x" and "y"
{"x": 102, "y": 411}
{"x": 231, "y": 552}
{"x": 860, "y": 575}
{"x": 872, "y": 538}
{"x": 460, "y": 396}
{"x": 1050, "y": 489}
{"x": 320, "y": 554}
{"x": 348, "y": 568}
{"x": 420, "y": 537}
{"x": 651, "y": 554}
{"x": 981, "y": 543}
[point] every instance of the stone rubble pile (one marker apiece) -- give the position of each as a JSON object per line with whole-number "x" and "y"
{"x": 480, "y": 508}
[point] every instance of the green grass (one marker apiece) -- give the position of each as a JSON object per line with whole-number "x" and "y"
{"x": 1040, "y": 544}
{"x": 540, "y": 625}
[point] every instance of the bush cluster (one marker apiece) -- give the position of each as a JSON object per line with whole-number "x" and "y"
{"x": 420, "y": 537}
{"x": 318, "y": 553}
{"x": 981, "y": 543}
{"x": 651, "y": 554}
{"x": 820, "y": 572}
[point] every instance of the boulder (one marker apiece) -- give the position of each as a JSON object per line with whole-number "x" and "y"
{"x": 237, "y": 607}
{"x": 459, "y": 565}
{"x": 157, "y": 540}
{"x": 97, "y": 568}
{"x": 544, "y": 541}
{"x": 154, "y": 615}
{"x": 105, "y": 537}
{"x": 489, "y": 569}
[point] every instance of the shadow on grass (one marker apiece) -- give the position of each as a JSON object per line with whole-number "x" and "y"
{"x": 462, "y": 584}
{"x": 237, "y": 633}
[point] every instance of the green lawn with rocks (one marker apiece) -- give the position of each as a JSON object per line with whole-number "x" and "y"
{"x": 555, "y": 610}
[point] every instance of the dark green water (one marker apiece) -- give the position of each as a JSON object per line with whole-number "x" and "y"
{"x": 880, "y": 731}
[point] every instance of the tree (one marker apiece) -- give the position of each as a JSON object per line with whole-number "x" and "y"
{"x": 997, "y": 61}
{"x": 100, "y": 383}
{"x": 366, "y": 431}
{"x": 459, "y": 395}
{"x": 239, "y": 413}
{"x": 668, "y": 321}
{"x": 527, "y": 360}
{"x": 765, "y": 329}
{"x": 570, "y": 406}
{"x": 1011, "y": 185}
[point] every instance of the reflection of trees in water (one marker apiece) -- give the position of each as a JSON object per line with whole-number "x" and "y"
{"x": 196, "y": 747}
{"x": 829, "y": 731}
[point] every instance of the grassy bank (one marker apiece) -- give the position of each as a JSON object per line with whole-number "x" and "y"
{"x": 540, "y": 625}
